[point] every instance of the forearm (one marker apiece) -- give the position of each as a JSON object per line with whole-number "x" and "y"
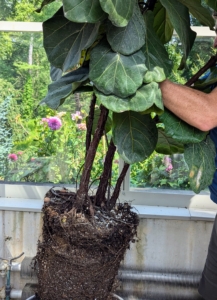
{"x": 192, "y": 106}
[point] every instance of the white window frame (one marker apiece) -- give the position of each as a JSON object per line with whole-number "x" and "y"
{"x": 149, "y": 202}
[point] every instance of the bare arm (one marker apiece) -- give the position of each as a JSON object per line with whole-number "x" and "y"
{"x": 194, "y": 107}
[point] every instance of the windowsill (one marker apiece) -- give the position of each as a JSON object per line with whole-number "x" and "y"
{"x": 148, "y": 203}
{"x": 177, "y": 213}
{"x": 145, "y": 212}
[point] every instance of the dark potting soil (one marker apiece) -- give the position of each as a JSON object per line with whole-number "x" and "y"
{"x": 80, "y": 253}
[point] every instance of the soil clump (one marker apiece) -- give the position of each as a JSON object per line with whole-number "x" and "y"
{"x": 80, "y": 252}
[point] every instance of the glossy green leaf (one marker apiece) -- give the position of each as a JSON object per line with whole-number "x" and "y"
{"x": 108, "y": 125}
{"x": 55, "y": 73}
{"x": 179, "y": 17}
{"x": 156, "y": 74}
{"x": 162, "y": 24}
{"x": 201, "y": 13}
{"x": 212, "y": 4}
{"x": 62, "y": 88}
{"x": 134, "y": 135}
{"x": 64, "y": 40}
{"x": 179, "y": 130}
{"x": 113, "y": 73}
{"x": 166, "y": 145}
{"x": 119, "y": 11}
{"x": 154, "y": 50}
{"x": 83, "y": 11}
{"x": 145, "y": 97}
{"x": 129, "y": 39}
{"x": 200, "y": 159}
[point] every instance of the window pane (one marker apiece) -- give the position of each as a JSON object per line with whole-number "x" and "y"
{"x": 160, "y": 171}
{"x": 38, "y": 144}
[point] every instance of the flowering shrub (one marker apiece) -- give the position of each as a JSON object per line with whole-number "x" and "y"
{"x": 54, "y": 153}
{"x": 161, "y": 171}
{"x": 54, "y": 123}
{"x": 12, "y": 157}
{"x": 81, "y": 126}
{"x": 77, "y": 116}
{"x": 168, "y": 163}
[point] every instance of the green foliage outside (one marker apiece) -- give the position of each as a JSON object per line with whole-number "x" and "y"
{"x": 6, "y": 141}
{"x": 27, "y": 76}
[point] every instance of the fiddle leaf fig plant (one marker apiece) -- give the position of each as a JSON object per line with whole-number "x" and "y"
{"x": 116, "y": 50}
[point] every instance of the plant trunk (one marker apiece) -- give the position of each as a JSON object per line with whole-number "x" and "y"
{"x": 82, "y": 193}
{"x": 100, "y": 198}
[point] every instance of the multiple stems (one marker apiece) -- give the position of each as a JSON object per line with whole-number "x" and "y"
{"x": 82, "y": 193}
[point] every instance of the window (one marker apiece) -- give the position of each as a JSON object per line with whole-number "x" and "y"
{"x": 35, "y": 153}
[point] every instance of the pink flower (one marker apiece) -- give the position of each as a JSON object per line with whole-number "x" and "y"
{"x": 12, "y": 157}
{"x": 77, "y": 116}
{"x": 20, "y": 153}
{"x": 54, "y": 123}
{"x": 44, "y": 120}
{"x": 169, "y": 168}
{"x": 81, "y": 126}
{"x": 32, "y": 159}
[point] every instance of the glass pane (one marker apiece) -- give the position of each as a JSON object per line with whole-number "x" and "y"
{"x": 164, "y": 171}
{"x": 27, "y": 11}
{"x": 160, "y": 171}
{"x": 38, "y": 144}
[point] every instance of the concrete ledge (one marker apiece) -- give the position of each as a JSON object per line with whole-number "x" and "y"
{"x": 17, "y": 204}
{"x": 21, "y": 26}
{"x": 176, "y": 213}
{"x": 151, "y": 212}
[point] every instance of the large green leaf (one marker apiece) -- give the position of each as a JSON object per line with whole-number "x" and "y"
{"x": 113, "y": 73}
{"x": 201, "y": 13}
{"x": 200, "y": 159}
{"x": 154, "y": 50}
{"x": 166, "y": 145}
{"x": 134, "y": 135}
{"x": 83, "y": 11}
{"x": 55, "y": 73}
{"x": 156, "y": 74}
{"x": 179, "y": 130}
{"x": 119, "y": 11}
{"x": 145, "y": 97}
{"x": 64, "y": 40}
{"x": 179, "y": 17}
{"x": 62, "y": 88}
{"x": 162, "y": 24}
{"x": 129, "y": 39}
{"x": 212, "y": 4}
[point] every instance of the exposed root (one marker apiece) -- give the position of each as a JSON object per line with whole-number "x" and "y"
{"x": 80, "y": 254}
